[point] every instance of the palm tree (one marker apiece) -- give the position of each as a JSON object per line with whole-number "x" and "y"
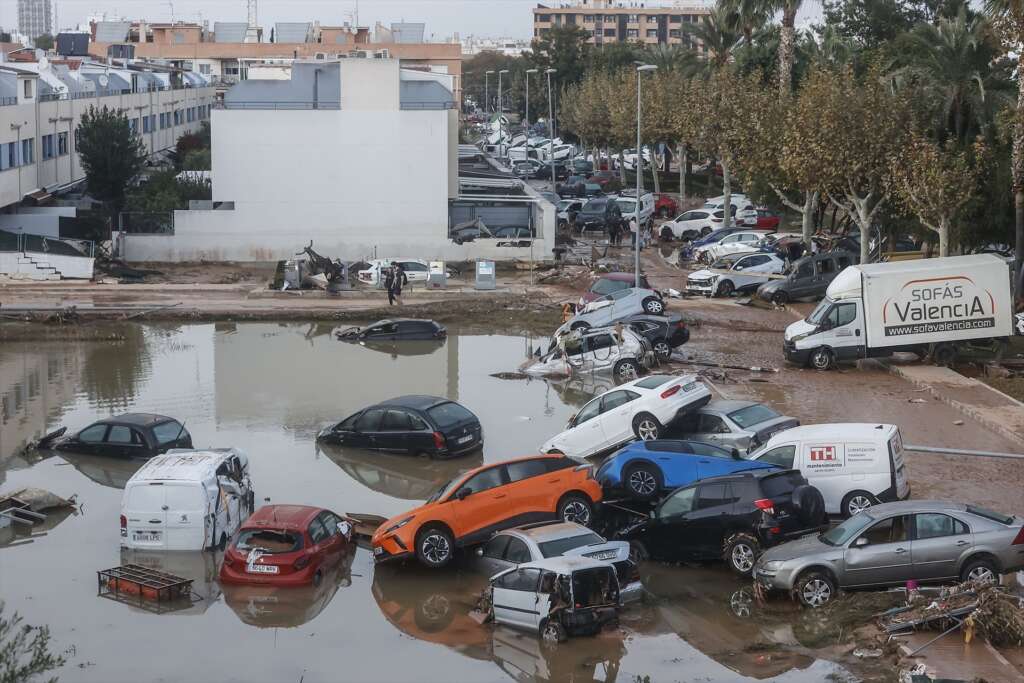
{"x": 750, "y": 16}
{"x": 671, "y": 58}
{"x": 828, "y": 47}
{"x": 789, "y": 9}
{"x": 1008, "y": 16}
{"x": 720, "y": 36}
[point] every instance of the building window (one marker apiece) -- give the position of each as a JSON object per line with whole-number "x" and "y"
{"x": 632, "y": 33}
{"x": 588, "y": 18}
{"x": 8, "y": 155}
{"x": 544, "y": 18}
{"x": 675, "y": 18}
{"x": 133, "y": 126}
{"x": 652, "y": 33}
{"x": 62, "y": 144}
{"x": 597, "y": 33}
{"x": 204, "y": 69}
{"x": 609, "y": 17}
{"x": 145, "y": 124}
{"x": 28, "y": 151}
{"x": 675, "y": 33}
{"x": 179, "y": 37}
{"x": 558, "y": 20}
{"x": 609, "y": 33}
{"x": 47, "y": 147}
{"x": 570, "y": 19}
{"x": 633, "y": 19}
{"x": 28, "y": 89}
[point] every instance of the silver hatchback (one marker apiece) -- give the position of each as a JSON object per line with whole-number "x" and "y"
{"x": 892, "y": 543}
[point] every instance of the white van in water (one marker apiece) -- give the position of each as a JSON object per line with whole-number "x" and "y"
{"x": 186, "y": 500}
{"x": 854, "y": 465}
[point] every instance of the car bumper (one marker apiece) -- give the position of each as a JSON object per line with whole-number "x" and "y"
{"x": 705, "y": 289}
{"x": 779, "y": 580}
{"x": 236, "y": 575}
{"x": 795, "y": 355}
{"x": 391, "y": 549}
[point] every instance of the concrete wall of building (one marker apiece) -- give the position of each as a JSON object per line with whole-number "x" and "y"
{"x": 32, "y": 224}
{"x": 35, "y": 119}
{"x": 31, "y": 265}
{"x": 370, "y": 85}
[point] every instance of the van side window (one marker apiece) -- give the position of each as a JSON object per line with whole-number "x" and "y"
{"x": 805, "y": 270}
{"x": 826, "y": 266}
{"x": 781, "y": 456}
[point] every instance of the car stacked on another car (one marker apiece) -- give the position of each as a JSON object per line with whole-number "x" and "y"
{"x": 611, "y": 282}
{"x": 640, "y": 409}
{"x": 471, "y": 507}
{"x": 738, "y": 242}
{"x": 735, "y": 424}
{"x": 614, "y": 307}
{"x": 739, "y": 272}
{"x": 664, "y": 332}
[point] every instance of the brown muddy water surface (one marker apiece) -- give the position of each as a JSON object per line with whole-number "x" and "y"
{"x": 267, "y": 388}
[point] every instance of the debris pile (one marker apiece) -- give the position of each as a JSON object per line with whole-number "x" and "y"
{"x": 989, "y": 611}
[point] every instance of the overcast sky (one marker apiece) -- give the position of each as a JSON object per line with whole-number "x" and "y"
{"x": 488, "y": 18}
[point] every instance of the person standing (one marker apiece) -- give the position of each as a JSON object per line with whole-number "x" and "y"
{"x": 399, "y": 280}
{"x": 389, "y": 283}
{"x": 634, "y": 229}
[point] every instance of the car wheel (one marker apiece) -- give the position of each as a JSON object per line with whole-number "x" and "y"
{"x": 434, "y": 547}
{"x": 434, "y": 614}
{"x": 654, "y": 306}
{"x": 822, "y": 358}
{"x": 815, "y": 589}
{"x": 576, "y": 508}
{"x": 627, "y": 369}
{"x": 643, "y": 481}
{"x": 579, "y": 325}
{"x": 856, "y": 501}
{"x": 982, "y": 570}
{"x": 638, "y": 552}
{"x": 705, "y": 231}
{"x": 663, "y": 350}
{"x": 741, "y": 552}
{"x": 725, "y": 288}
{"x": 553, "y": 633}
{"x": 944, "y": 355}
{"x": 646, "y": 427}
{"x": 780, "y": 298}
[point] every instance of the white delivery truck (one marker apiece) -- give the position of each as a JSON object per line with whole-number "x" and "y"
{"x": 932, "y": 306}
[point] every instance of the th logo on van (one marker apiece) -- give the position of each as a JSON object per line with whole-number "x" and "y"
{"x": 823, "y": 454}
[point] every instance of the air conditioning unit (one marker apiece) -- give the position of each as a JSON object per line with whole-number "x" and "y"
{"x": 360, "y": 54}
{"x": 382, "y": 54}
{"x": 320, "y": 55}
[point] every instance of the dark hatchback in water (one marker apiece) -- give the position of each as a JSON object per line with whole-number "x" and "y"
{"x": 410, "y": 424}
{"x": 132, "y": 435}
{"x": 394, "y": 330}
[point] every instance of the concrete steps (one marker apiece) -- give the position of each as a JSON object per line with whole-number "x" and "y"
{"x": 34, "y": 267}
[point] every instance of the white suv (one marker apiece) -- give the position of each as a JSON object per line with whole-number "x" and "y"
{"x": 743, "y": 210}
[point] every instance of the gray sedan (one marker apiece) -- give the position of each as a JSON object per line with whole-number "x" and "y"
{"x": 735, "y": 424}
{"x": 892, "y": 543}
{"x": 614, "y": 307}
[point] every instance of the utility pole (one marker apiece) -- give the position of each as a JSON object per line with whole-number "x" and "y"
{"x": 551, "y": 123}
{"x": 501, "y": 110}
{"x": 638, "y": 166}
{"x": 528, "y": 72}
{"x": 487, "y": 100}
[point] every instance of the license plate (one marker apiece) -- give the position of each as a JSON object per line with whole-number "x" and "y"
{"x": 378, "y": 550}
{"x": 465, "y": 439}
{"x": 690, "y": 387}
{"x": 146, "y": 536}
{"x": 261, "y": 569}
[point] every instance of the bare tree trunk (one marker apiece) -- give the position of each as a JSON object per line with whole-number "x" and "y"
{"x": 622, "y": 169}
{"x": 786, "y": 48}
{"x": 682, "y": 175}
{"x": 654, "y": 172}
{"x": 807, "y": 217}
{"x": 1018, "y": 191}
{"x": 726, "y": 195}
{"x": 943, "y": 237}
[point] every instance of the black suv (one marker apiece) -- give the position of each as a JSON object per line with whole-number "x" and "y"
{"x": 733, "y": 517}
{"x": 600, "y": 213}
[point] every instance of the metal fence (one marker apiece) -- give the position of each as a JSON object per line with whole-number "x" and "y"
{"x": 280, "y": 105}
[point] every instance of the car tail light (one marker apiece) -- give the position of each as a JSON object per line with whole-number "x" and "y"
{"x": 438, "y": 440}
{"x": 776, "y": 529}
{"x": 671, "y": 391}
{"x": 1019, "y": 540}
{"x": 302, "y": 562}
{"x": 124, "y": 525}
{"x": 765, "y": 504}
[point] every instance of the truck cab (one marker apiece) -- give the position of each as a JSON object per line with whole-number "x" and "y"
{"x": 834, "y": 331}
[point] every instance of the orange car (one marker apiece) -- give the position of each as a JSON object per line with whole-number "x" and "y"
{"x": 472, "y": 506}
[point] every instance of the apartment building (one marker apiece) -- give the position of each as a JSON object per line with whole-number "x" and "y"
{"x": 616, "y": 22}
{"x": 35, "y": 18}
{"x": 42, "y": 103}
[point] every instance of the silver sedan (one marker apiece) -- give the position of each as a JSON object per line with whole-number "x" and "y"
{"x": 615, "y": 307}
{"x": 892, "y": 543}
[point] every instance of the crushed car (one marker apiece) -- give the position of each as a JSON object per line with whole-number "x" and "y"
{"x": 735, "y": 424}
{"x": 614, "y": 307}
{"x": 622, "y": 351}
{"x": 742, "y": 272}
{"x": 556, "y": 597}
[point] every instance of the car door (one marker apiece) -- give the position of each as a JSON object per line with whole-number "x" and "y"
{"x": 600, "y": 351}
{"x": 91, "y": 439}
{"x": 395, "y": 433}
{"x": 516, "y": 601}
{"x": 334, "y": 544}
{"x": 802, "y": 283}
{"x": 526, "y": 495}
{"x": 708, "y": 520}
{"x": 123, "y": 441}
{"x": 939, "y": 542}
{"x": 617, "y": 416}
{"x": 585, "y": 436}
{"x": 669, "y": 539}
{"x": 367, "y": 428}
{"x": 415, "y": 271}
{"x": 880, "y": 555}
{"x": 676, "y": 461}
{"x": 844, "y": 330}
{"x": 481, "y": 505}
{"x": 712, "y": 461}
{"x": 319, "y": 537}
{"x": 710, "y": 428}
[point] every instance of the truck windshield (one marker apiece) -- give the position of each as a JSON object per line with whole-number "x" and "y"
{"x": 819, "y": 312}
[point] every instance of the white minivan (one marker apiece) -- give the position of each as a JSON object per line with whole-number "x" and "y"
{"x": 854, "y": 465}
{"x": 186, "y": 500}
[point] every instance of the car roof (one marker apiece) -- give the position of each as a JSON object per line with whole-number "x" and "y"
{"x": 421, "y": 402}
{"x": 489, "y": 465}
{"x": 917, "y": 506}
{"x": 565, "y": 564}
{"x": 184, "y": 465}
{"x": 549, "y": 531}
{"x": 282, "y": 517}
{"x": 838, "y": 431}
{"x": 727, "y": 405}
{"x": 620, "y": 277}
{"x": 386, "y": 321}
{"x": 136, "y": 419}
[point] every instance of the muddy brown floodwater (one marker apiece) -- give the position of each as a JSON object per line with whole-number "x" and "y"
{"x": 266, "y": 388}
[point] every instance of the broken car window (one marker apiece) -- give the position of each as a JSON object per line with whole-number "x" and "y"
{"x": 269, "y": 540}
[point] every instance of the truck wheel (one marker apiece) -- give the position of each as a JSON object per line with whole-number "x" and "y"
{"x": 725, "y": 288}
{"x": 741, "y": 552}
{"x": 944, "y": 355}
{"x": 822, "y": 358}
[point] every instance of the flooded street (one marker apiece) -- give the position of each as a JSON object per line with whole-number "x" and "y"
{"x": 267, "y": 388}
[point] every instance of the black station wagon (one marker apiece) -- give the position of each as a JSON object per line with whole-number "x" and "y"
{"x": 132, "y": 435}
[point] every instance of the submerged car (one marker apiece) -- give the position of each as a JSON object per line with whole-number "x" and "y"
{"x": 735, "y": 424}
{"x": 468, "y": 509}
{"x": 287, "y": 545}
{"x": 131, "y": 435}
{"x": 646, "y": 469}
{"x": 731, "y": 517}
{"x": 557, "y": 597}
{"x": 890, "y": 544}
{"x": 742, "y": 272}
{"x": 535, "y": 542}
{"x": 641, "y": 409}
{"x": 427, "y": 425}
{"x": 394, "y": 330}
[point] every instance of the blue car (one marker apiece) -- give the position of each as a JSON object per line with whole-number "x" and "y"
{"x": 644, "y": 469}
{"x": 710, "y": 238}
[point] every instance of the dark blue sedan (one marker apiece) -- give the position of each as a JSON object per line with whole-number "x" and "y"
{"x": 644, "y": 469}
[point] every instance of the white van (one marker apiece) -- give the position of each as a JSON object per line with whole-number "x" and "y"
{"x": 186, "y": 500}
{"x": 854, "y": 465}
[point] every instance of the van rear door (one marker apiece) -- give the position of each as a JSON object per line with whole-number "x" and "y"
{"x": 187, "y": 505}
{"x": 898, "y": 466}
{"x": 145, "y": 512}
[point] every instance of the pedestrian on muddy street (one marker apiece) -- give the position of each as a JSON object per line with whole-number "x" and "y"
{"x": 389, "y": 284}
{"x": 399, "y": 280}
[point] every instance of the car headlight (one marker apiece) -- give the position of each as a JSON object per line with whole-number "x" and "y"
{"x": 399, "y": 525}
{"x": 773, "y": 566}
{"x": 804, "y": 335}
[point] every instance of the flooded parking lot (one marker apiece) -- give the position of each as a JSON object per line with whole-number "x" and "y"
{"x": 266, "y": 389}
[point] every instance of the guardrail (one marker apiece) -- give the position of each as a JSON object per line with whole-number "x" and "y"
{"x": 426, "y": 105}
{"x": 278, "y": 105}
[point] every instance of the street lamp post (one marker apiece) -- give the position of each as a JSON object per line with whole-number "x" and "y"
{"x": 638, "y": 166}
{"x": 487, "y": 100}
{"x": 528, "y": 72}
{"x": 501, "y": 110}
{"x": 551, "y": 136}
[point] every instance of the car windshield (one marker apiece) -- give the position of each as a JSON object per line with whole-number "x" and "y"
{"x": 445, "y": 490}
{"x": 752, "y": 415}
{"x": 564, "y": 545}
{"x": 654, "y": 381}
{"x": 269, "y": 540}
{"x": 594, "y": 207}
{"x": 818, "y": 314}
{"x": 838, "y": 535}
{"x": 607, "y": 286}
{"x": 449, "y": 414}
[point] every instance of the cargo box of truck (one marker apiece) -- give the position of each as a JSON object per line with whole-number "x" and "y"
{"x": 928, "y": 307}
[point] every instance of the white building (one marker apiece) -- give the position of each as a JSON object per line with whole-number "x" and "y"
{"x": 358, "y": 155}
{"x": 509, "y": 47}
{"x": 35, "y": 18}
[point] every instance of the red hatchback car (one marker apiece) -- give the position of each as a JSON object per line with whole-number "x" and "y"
{"x": 286, "y": 545}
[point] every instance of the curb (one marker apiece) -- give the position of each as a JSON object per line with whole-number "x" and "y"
{"x": 965, "y": 408}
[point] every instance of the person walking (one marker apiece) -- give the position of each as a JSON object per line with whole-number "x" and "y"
{"x": 634, "y": 229}
{"x": 399, "y": 280}
{"x": 389, "y": 284}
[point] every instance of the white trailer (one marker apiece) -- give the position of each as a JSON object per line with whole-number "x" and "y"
{"x": 931, "y": 306}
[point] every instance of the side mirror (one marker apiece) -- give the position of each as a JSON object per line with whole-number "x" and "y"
{"x": 860, "y": 542}
{"x": 463, "y": 493}
{"x": 572, "y": 418}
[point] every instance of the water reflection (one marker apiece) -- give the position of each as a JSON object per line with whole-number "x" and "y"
{"x": 111, "y": 472}
{"x": 113, "y": 370}
{"x": 407, "y": 477}
{"x": 19, "y": 534}
{"x": 289, "y": 607}
{"x": 201, "y": 567}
